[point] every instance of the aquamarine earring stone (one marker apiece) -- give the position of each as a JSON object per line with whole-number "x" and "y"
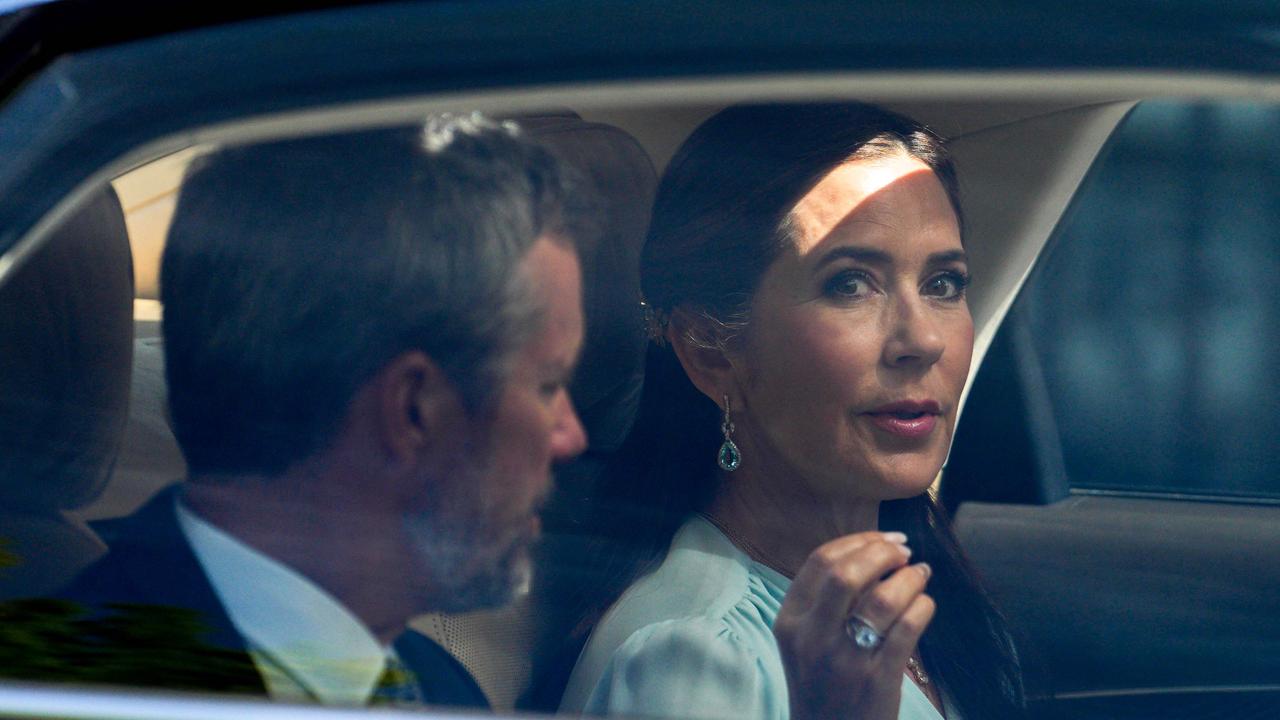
{"x": 729, "y": 457}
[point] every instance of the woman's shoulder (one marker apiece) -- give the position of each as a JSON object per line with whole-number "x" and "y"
{"x": 704, "y": 581}
{"x": 696, "y": 666}
{"x": 704, "y": 614}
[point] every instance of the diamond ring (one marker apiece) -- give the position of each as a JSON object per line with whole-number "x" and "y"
{"x": 862, "y": 634}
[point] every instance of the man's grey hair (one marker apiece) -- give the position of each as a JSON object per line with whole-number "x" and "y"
{"x": 295, "y": 270}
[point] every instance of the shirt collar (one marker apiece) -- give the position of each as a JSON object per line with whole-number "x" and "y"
{"x": 301, "y": 628}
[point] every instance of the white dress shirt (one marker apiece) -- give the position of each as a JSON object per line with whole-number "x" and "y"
{"x": 308, "y": 647}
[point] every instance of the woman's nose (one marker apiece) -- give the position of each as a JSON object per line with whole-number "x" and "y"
{"x": 914, "y": 336}
{"x": 568, "y": 438}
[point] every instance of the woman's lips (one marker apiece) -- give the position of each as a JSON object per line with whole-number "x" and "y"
{"x": 905, "y": 427}
{"x": 910, "y": 419}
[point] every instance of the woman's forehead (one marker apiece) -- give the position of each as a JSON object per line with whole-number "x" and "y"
{"x": 892, "y": 192}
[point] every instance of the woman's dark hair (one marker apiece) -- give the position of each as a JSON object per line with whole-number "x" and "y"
{"x": 721, "y": 217}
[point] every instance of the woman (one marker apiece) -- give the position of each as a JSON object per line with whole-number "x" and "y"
{"x": 805, "y": 267}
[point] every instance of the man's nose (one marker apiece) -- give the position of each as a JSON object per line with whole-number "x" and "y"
{"x": 569, "y": 438}
{"x": 914, "y": 336}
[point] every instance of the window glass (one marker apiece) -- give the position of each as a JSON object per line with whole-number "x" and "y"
{"x": 103, "y": 577}
{"x": 1157, "y": 313}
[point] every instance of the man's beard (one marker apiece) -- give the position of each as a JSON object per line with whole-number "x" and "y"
{"x": 465, "y": 573}
{"x": 469, "y": 564}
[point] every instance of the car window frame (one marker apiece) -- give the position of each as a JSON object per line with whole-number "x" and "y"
{"x": 91, "y": 129}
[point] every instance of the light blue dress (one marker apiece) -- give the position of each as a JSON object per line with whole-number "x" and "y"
{"x": 694, "y": 639}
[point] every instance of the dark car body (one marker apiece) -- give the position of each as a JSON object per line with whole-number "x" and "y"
{"x": 1135, "y": 601}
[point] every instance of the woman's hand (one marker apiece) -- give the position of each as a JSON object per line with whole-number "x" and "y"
{"x": 828, "y": 676}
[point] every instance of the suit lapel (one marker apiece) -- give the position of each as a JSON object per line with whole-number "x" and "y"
{"x": 442, "y": 679}
{"x": 151, "y": 572}
{"x": 151, "y": 590}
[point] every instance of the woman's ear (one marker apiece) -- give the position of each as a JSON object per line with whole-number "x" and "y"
{"x": 416, "y": 405}
{"x": 701, "y": 352}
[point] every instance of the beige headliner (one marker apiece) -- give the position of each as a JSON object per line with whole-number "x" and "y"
{"x": 1019, "y": 162}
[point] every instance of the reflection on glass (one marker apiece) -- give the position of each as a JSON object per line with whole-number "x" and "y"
{"x": 139, "y": 645}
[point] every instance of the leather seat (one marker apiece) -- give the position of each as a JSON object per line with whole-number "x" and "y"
{"x": 515, "y": 652}
{"x": 66, "y": 331}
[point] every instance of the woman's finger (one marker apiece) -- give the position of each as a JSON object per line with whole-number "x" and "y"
{"x": 880, "y": 605}
{"x": 810, "y": 575}
{"x": 901, "y": 638}
{"x": 834, "y": 581}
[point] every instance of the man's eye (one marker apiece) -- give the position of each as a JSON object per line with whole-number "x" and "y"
{"x": 848, "y": 284}
{"x": 549, "y": 390}
{"x": 946, "y": 286}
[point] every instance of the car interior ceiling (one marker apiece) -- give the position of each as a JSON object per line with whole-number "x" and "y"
{"x": 1019, "y": 165}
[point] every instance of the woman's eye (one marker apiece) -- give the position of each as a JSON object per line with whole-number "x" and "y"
{"x": 848, "y": 284}
{"x": 946, "y": 286}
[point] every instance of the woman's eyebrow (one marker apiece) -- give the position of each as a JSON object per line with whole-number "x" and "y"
{"x": 869, "y": 256}
{"x": 949, "y": 256}
{"x": 872, "y": 256}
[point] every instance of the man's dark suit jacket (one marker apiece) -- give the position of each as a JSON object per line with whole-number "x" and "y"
{"x": 155, "y": 620}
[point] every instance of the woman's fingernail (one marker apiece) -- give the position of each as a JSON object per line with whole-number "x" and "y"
{"x": 925, "y": 570}
{"x": 906, "y": 551}
{"x": 895, "y": 537}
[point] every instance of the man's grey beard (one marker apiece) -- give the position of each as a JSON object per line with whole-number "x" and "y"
{"x": 465, "y": 573}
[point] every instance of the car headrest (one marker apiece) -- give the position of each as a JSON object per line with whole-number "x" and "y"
{"x": 606, "y": 390}
{"x": 66, "y": 323}
{"x": 505, "y": 649}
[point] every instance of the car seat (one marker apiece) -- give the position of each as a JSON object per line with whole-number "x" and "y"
{"x": 516, "y": 649}
{"x": 66, "y": 325}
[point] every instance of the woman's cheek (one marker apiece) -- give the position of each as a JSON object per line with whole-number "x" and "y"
{"x": 838, "y": 349}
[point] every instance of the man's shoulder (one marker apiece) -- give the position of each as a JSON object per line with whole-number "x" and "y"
{"x": 142, "y": 615}
{"x": 148, "y": 560}
{"x": 105, "y": 630}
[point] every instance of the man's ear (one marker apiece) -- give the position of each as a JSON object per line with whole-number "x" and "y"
{"x": 702, "y": 354}
{"x": 416, "y": 405}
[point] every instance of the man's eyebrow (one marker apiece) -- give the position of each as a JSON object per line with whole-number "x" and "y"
{"x": 563, "y": 371}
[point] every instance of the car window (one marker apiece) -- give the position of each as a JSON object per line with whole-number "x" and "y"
{"x": 1156, "y": 314}
{"x": 104, "y": 438}
{"x": 69, "y": 313}
{"x": 527, "y": 647}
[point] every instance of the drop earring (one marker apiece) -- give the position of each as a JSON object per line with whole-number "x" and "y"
{"x": 728, "y": 458}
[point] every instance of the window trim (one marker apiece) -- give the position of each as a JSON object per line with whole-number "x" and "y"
{"x": 51, "y": 701}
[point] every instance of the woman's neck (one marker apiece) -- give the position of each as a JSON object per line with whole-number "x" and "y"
{"x": 781, "y": 523}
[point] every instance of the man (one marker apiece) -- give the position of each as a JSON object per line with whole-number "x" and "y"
{"x": 368, "y": 339}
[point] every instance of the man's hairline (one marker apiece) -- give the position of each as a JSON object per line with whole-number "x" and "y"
{"x": 537, "y": 313}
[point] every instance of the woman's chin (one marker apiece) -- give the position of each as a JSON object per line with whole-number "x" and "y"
{"x": 900, "y": 482}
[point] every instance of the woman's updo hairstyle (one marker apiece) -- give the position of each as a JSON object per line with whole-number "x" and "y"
{"x": 720, "y": 219}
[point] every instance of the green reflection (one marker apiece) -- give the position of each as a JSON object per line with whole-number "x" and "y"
{"x": 8, "y": 558}
{"x": 136, "y": 645}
